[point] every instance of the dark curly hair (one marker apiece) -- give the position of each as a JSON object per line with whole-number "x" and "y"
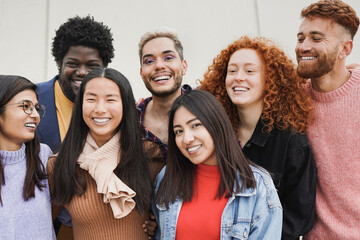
{"x": 286, "y": 104}
{"x": 85, "y": 32}
{"x": 335, "y": 10}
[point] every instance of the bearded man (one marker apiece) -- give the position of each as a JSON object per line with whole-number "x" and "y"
{"x": 325, "y": 39}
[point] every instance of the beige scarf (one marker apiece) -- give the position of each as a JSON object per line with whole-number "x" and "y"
{"x": 100, "y": 163}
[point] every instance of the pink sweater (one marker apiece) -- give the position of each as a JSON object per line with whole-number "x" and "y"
{"x": 335, "y": 141}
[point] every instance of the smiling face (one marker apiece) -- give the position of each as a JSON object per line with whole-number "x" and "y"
{"x": 17, "y": 127}
{"x": 102, "y": 109}
{"x": 193, "y": 139}
{"x": 76, "y": 64}
{"x": 244, "y": 79}
{"x": 318, "y": 47}
{"x": 162, "y": 69}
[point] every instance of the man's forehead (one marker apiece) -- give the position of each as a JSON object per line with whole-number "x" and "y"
{"x": 318, "y": 24}
{"x": 159, "y": 45}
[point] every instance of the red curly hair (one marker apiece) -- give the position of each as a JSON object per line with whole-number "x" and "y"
{"x": 337, "y": 11}
{"x": 286, "y": 104}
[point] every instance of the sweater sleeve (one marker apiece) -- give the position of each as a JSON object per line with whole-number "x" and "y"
{"x": 298, "y": 198}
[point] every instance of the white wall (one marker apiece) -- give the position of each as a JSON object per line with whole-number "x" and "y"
{"x": 204, "y": 26}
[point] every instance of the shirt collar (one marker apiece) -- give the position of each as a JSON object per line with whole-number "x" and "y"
{"x": 259, "y": 137}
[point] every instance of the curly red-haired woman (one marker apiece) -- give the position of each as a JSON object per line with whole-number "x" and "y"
{"x": 262, "y": 94}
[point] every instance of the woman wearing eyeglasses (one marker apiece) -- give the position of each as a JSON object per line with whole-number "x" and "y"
{"x": 25, "y": 209}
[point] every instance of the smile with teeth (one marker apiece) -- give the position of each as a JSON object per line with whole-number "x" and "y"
{"x": 31, "y": 125}
{"x": 192, "y": 149}
{"x": 101, "y": 120}
{"x": 160, "y": 78}
{"x": 240, "y": 89}
{"x": 77, "y": 82}
{"x": 307, "y": 58}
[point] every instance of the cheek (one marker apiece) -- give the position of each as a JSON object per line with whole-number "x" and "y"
{"x": 119, "y": 116}
{"x": 86, "y": 111}
{"x": 117, "y": 112}
{"x": 228, "y": 83}
{"x": 178, "y": 143}
{"x": 145, "y": 71}
{"x": 66, "y": 72}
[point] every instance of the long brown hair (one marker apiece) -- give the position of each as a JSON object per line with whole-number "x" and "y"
{"x": 179, "y": 175}
{"x": 133, "y": 167}
{"x": 35, "y": 170}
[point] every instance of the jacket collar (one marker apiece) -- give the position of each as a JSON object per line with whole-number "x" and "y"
{"x": 258, "y": 137}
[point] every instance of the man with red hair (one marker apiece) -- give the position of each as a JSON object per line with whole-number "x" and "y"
{"x": 325, "y": 39}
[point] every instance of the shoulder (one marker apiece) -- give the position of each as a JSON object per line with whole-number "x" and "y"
{"x": 45, "y": 153}
{"x": 159, "y": 178}
{"x": 44, "y": 86}
{"x": 292, "y": 137}
{"x": 142, "y": 104}
{"x": 185, "y": 88}
{"x": 262, "y": 177}
{"x": 51, "y": 164}
{"x": 298, "y": 142}
{"x": 265, "y": 187}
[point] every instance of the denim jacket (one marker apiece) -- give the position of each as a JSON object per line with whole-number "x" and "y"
{"x": 251, "y": 214}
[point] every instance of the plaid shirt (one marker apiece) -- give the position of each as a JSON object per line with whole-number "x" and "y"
{"x": 147, "y": 134}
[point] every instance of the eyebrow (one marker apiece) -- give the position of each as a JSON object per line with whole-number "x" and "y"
{"x": 246, "y": 64}
{"x": 27, "y": 100}
{"x": 77, "y": 60}
{"x": 191, "y": 120}
{"x": 164, "y": 52}
{"x": 312, "y": 33}
{"x": 108, "y": 95}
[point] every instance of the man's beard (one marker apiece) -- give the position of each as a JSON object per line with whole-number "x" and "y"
{"x": 322, "y": 65}
{"x": 177, "y": 85}
{"x": 67, "y": 89}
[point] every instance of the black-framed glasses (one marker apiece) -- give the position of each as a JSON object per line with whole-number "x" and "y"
{"x": 28, "y": 107}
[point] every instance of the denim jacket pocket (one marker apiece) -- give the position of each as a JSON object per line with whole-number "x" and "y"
{"x": 240, "y": 230}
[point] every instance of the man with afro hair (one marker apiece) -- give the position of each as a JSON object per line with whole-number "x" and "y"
{"x": 79, "y": 46}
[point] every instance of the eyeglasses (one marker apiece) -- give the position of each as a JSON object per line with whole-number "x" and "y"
{"x": 29, "y": 107}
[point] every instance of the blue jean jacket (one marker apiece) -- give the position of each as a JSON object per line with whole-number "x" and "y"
{"x": 251, "y": 214}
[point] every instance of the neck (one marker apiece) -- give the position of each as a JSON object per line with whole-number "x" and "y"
{"x": 332, "y": 80}
{"x": 248, "y": 118}
{"x": 160, "y": 106}
{"x": 10, "y": 146}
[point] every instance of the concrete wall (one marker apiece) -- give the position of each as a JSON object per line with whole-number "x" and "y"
{"x": 204, "y": 26}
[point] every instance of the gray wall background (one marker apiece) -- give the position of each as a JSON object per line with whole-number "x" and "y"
{"x": 27, "y": 28}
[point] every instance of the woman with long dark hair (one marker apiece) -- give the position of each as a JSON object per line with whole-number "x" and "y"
{"x": 25, "y": 209}
{"x": 270, "y": 111}
{"x": 208, "y": 189}
{"x": 101, "y": 175}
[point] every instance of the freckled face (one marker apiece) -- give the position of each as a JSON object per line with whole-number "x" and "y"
{"x": 193, "y": 139}
{"x": 102, "y": 109}
{"x": 244, "y": 79}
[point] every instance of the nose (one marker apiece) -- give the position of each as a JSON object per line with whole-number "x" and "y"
{"x": 304, "y": 46}
{"x": 159, "y": 64}
{"x": 100, "y": 107}
{"x": 188, "y": 137}
{"x": 34, "y": 113}
{"x": 82, "y": 70}
{"x": 240, "y": 75}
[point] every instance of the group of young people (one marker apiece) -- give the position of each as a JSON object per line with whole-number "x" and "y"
{"x": 263, "y": 149}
